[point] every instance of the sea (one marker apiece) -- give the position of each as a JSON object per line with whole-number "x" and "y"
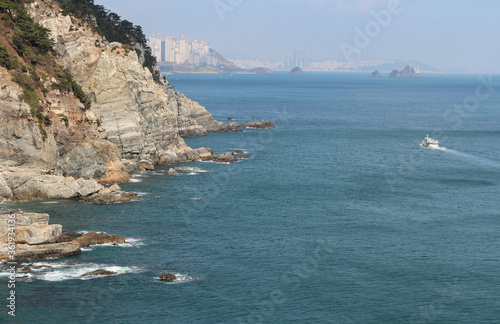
{"x": 339, "y": 215}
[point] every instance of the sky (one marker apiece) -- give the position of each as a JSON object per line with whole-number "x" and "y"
{"x": 446, "y": 34}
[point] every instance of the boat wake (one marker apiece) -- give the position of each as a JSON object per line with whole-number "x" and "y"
{"x": 471, "y": 158}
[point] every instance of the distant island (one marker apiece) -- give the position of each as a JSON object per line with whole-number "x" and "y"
{"x": 296, "y": 71}
{"x": 409, "y": 72}
{"x": 376, "y": 74}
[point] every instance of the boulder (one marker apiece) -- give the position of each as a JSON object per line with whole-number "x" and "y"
{"x": 172, "y": 171}
{"x": 146, "y": 165}
{"x": 168, "y": 277}
{"x": 55, "y": 250}
{"x": 100, "y": 272}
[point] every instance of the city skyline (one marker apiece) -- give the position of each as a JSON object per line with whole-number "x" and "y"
{"x": 181, "y": 51}
{"x": 444, "y": 35}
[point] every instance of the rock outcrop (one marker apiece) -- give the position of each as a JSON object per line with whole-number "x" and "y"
{"x": 376, "y": 74}
{"x": 409, "y": 72}
{"x": 33, "y": 237}
{"x": 260, "y": 124}
{"x": 26, "y": 183}
{"x": 168, "y": 277}
{"x": 144, "y": 119}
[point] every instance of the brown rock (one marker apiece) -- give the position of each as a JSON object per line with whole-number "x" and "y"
{"x": 172, "y": 171}
{"x": 93, "y": 238}
{"x": 168, "y": 277}
{"x": 225, "y": 158}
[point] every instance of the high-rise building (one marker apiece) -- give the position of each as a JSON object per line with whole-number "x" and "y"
{"x": 182, "y": 50}
{"x": 155, "y": 45}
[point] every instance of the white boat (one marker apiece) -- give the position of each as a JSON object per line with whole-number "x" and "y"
{"x": 430, "y": 142}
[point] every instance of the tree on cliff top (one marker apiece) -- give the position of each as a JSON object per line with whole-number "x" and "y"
{"x": 110, "y": 25}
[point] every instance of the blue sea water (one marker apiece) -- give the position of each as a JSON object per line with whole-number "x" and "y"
{"x": 338, "y": 217}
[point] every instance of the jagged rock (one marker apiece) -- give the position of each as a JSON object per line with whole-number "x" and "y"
{"x": 168, "y": 277}
{"x": 110, "y": 195}
{"x": 100, "y": 272}
{"x": 5, "y": 191}
{"x": 239, "y": 151}
{"x": 93, "y": 238}
{"x": 25, "y": 269}
{"x": 172, "y": 171}
{"x": 409, "y": 72}
{"x": 260, "y": 124}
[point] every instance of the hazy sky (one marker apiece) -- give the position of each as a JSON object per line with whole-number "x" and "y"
{"x": 445, "y": 34}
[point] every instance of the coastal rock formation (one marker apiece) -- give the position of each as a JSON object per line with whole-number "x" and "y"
{"x": 260, "y": 124}
{"x": 26, "y": 183}
{"x": 296, "y": 71}
{"x": 93, "y": 238}
{"x": 33, "y": 237}
{"x": 96, "y": 114}
{"x": 144, "y": 119}
{"x": 376, "y": 74}
{"x": 168, "y": 277}
{"x": 409, "y": 72}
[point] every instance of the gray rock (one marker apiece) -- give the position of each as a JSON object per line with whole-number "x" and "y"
{"x": 172, "y": 171}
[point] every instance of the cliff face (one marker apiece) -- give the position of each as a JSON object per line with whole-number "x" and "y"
{"x": 132, "y": 118}
{"x": 144, "y": 119}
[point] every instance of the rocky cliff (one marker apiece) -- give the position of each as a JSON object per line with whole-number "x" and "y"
{"x": 53, "y": 138}
{"x": 143, "y": 118}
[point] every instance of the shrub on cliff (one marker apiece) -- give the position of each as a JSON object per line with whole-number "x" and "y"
{"x": 67, "y": 84}
{"x": 110, "y": 25}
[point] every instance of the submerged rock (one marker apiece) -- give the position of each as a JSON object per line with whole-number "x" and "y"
{"x": 168, "y": 277}
{"x": 100, "y": 272}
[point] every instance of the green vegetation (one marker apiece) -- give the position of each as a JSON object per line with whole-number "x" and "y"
{"x": 113, "y": 28}
{"x": 6, "y": 60}
{"x": 67, "y": 85}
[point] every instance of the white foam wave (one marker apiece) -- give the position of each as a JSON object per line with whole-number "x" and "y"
{"x": 135, "y": 180}
{"x": 141, "y": 194}
{"x": 50, "y": 202}
{"x": 195, "y": 199}
{"x": 64, "y": 271}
